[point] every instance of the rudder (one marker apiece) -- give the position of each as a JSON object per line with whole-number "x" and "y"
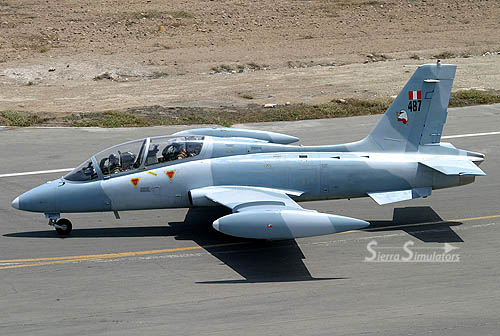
{"x": 417, "y": 115}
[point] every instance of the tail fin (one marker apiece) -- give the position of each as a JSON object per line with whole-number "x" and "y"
{"x": 417, "y": 115}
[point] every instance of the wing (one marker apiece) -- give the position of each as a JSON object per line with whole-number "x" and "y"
{"x": 266, "y": 213}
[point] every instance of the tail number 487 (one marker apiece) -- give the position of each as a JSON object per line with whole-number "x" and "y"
{"x": 414, "y": 105}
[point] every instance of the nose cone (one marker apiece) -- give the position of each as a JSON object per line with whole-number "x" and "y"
{"x": 216, "y": 225}
{"x": 15, "y": 203}
{"x": 39, "y": 199}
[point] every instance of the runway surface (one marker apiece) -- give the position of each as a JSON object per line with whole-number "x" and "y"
{"x": 167, "y": 272}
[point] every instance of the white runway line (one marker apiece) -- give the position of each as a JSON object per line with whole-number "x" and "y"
{"x": 37, "y": 172}
{"x": 70, "y": 169}
{"x": 469, "y": 135}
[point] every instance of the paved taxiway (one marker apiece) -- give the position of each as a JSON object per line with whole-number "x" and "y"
{"x": 168, "y": 273}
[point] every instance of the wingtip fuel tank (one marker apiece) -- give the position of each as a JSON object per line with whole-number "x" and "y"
{"x": 285, "y": 224}
{"x": 227, "y": 132}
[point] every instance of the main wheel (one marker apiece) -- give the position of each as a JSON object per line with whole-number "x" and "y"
{"x": 65, "y": 227}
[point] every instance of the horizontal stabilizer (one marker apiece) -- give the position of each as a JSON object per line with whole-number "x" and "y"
{"x": 229, "y": 132}
{"x": 454, "y": 167}
{"x": 399, "y": 195}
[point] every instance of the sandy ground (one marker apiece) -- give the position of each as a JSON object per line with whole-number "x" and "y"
{"x": 213, "y": 53}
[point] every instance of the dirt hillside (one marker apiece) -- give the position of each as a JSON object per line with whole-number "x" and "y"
{"x": 88, "y": 55}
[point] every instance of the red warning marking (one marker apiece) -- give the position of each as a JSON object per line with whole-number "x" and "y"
{"x": 135, "y": 181}
{"x": 170, "y": 174}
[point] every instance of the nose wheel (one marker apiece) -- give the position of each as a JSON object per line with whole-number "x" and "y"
{"x": 63, "y": 226}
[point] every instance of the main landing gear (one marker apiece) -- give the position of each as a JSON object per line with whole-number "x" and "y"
{"x": 62, "y": 225}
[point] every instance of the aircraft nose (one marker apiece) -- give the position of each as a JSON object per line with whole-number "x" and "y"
{"x": 39, "y": 199}
{"x": 15, "y": 203}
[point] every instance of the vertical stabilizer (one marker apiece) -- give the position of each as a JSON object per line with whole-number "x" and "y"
{"x": 417, "y": 115}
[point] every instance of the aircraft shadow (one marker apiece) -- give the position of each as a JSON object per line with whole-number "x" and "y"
{"x": 116, "y": 232}
{"x": 422, "y": 223}
{"x": 259, "y": 261}
{"x": 254, "y": 260}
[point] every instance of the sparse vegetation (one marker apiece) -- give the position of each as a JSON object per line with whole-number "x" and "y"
{"x": 105, "y": 75}
{"x": 473, "y": 97}
{"x": 38, "y": 43}
{"x": 227, "y": 116}
{"x": 240, "y": 68}
{"x": 158, "y": 74}
{"x": 19, "y": 118}
{"x": 41, "y": 48}
{"x": 222, "y": 68}
{"x": 155, "y": 14}
{"x": 109, "y": 119}
{"x": 245, "y": 95}
{"x": 162, "y": 46}
{"x": 299, "y": 64}
{"x": 445, "y": 55}
{"x": 255, "y": 66}
{"x": 180, "y": 14}
{"x": 375, "y": 57}
{"x": 130, "y": 23}
{"x": 332, "y": 7}
{"x": 150, "y": 14}
{"x": 177, "y": 24}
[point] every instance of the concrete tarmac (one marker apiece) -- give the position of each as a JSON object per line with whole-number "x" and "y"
{"x": 167, "y": 272}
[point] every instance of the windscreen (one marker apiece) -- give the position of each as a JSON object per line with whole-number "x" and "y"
{"x": 84, "y": 172}
{"x": 165, "y": 149}
{"x": 121, "y": 158}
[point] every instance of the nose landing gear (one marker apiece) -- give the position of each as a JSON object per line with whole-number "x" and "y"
{"x": 63, "y": 226}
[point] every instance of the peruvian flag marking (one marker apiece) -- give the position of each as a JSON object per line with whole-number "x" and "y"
{"x": 413, "y": 95}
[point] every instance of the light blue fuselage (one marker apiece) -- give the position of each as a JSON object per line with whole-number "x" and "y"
{"x": 319, "y": 172}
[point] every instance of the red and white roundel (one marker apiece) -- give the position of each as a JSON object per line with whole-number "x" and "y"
{"x": 402, "y": 116}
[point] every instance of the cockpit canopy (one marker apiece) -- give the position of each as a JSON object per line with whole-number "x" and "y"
{"x": 130, "y": 156}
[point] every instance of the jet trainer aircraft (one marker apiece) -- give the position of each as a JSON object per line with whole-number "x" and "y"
{"x": 260, "y": 176}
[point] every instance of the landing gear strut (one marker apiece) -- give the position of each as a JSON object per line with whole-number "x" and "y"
{"x": 63, "y": 226}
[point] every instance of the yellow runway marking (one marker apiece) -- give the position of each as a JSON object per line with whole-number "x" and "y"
{"x": 60, "y": 260}
{"x": 474, "y": 218}
{"x": 46, "y": 263}
{"x": 20, "y": 263}
{"x": 350, "y": 231}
